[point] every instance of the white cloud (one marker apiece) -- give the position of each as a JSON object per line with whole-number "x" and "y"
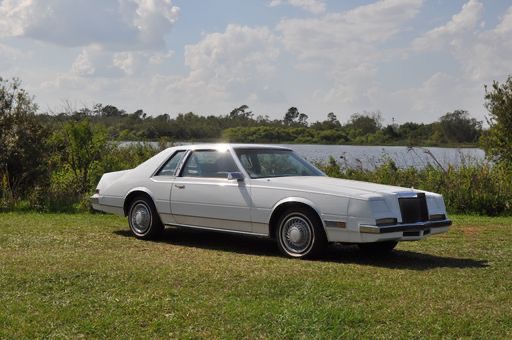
{"x": 240, "y": 55}
{"x": 313, "y": 6}
{"x": 225, "y": 69}
{"x": 114, "y": 51}
{"x": 486, "y": 56}
{"x": 437, "y": 95}
{"x": 113, "y": 24}
{"x": 125, "y": 61}
{"x": 9, "y": 55}
{"x": 83, "y": 66}
{"x": 353, "y": 88}
{"x": 332, "y": 34}
{"x": 13, "y": 15}
{"x": 505, "y": 26}
{"x": 94, "y": 61}
{"x": 483, "y": 55}
{"x": 347, "y": 47}
{"x": 159, "y": 58}
{"x": 153, "y": 19}
{"x": 230, "y": 64}
{"x": 460, "y": 24}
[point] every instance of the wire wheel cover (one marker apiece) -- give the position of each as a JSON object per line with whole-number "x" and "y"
{"x": 296, "y": 235}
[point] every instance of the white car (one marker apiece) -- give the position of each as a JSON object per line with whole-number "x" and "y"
{"x": 267, "y": 191}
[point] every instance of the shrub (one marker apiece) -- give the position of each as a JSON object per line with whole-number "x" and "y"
{"x": 474, "y": 187}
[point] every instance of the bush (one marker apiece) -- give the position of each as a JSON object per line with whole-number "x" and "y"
{"x": 6, "y": 195}
{"x": 477, "y": 187}
{"x": 64, "y": 190}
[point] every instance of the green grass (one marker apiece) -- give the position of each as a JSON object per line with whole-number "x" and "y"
{"x": 84, "y": 275}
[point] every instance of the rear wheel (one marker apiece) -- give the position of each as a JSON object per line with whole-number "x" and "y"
{"x": 300, "y": 234}
{"x": 143, "y": 219}
{"x": 378, "y": 248}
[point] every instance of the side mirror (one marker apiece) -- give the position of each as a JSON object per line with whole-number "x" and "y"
{"x": 236, "y": 176}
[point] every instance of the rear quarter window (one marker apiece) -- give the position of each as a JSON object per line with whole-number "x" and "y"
{"x": 169, "y": 167}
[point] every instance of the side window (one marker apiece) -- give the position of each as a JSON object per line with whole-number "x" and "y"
{"x": 209, "y": 163}
{"x": 251, "y": 163}
{"x": 170, "y": 167}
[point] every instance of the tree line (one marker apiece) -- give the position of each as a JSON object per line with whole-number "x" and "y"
{"x": 455, "y": 128}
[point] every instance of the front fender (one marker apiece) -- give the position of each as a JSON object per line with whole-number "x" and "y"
{"x": 297, "y": 200}
{"x": 275, "y": 211}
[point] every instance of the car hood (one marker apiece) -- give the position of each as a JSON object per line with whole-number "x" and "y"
{"x": 334, "y": 186}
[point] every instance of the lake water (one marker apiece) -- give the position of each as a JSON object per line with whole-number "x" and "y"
{"x": 370, "y": 156}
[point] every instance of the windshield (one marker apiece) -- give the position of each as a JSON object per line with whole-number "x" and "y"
{"x": 261, "y": 163}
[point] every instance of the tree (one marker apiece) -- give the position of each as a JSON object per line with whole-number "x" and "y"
{"x": 333, "y": 120}
{"x": 367, "y": 123}
{"x": 391, "y": 131}
{"x": 23, "y": 149}
{"x": 294, "y": 117}
{"x": 241, "y": 112}
{"x": 497, "y": 141}
{"x": 291, "y": 115}
{"x": 458, "y": 127}
{"x": 112, "y": 111}
{"x": 79, "y": 144}
{"x": 303, "y": 119}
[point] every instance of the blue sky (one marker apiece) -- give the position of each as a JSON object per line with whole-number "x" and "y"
{"x": 410, "y": 60}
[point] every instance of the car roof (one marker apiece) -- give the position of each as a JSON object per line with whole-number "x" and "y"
{"x": 228, "y": 146}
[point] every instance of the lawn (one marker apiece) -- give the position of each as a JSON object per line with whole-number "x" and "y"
{"x": 64, "y": 275}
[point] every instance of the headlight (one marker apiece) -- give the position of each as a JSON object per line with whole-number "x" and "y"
{"x": 437, "y": 217}
{"x": 386, "y": 221}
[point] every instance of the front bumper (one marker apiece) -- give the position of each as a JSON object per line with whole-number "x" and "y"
{"x": 406, "y": 228}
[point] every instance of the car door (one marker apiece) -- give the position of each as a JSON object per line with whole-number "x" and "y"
{"x": 161, "y": 186}
{"x": 203, "y": 196}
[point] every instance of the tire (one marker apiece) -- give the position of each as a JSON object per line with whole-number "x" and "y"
{"x": 300, "y": 234}
{"x": 377, "y": 248}
{"x": 143, "y": 219}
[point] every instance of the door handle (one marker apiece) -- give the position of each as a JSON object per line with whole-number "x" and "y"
{"x": 180, "y": 186}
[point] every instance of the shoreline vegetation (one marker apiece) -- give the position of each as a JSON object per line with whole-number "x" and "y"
{"x": 52, "y": 162}
{"x": 454, "y": 129}
{"x": 473, "y": 187}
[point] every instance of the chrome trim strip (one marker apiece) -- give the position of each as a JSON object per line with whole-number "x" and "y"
{"x": 216, "y": 229}
{"x": 177, "y": 171}
{"x": 101, "y": 205}
{"x": 96, "y": 205}
{"x": 407, "y": 194}
{"x": 420, "y": 226}
{"x": 212, "y": 218}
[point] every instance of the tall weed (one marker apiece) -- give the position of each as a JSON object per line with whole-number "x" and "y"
{"x": 474, "y": 187}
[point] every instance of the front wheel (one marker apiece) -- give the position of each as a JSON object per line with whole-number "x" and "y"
{"x": 143, "y": 219}
{"x": 300, "y": 234}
